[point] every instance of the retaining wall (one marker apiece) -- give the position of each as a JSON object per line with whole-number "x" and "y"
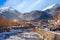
{"x": 47, "y": 35}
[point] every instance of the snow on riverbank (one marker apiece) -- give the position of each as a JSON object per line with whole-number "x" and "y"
{"x": 24, "y": 36}
{"x": 16, "y": 35}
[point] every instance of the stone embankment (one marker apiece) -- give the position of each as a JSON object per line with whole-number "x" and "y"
{"x": 47, "y": 35}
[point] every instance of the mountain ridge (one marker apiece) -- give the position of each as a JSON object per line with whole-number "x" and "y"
{"x": 35, "y": 15}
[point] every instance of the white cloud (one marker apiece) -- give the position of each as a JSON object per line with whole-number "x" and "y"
{"x": 33, "y": 5}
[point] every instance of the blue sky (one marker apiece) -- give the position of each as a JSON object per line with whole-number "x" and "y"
{"x": 28, "y": 5}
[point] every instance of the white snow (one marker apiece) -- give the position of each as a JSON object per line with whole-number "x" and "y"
{"x": 6, "y": 8}
{"x": 49, "y": 7}
{"x": 14, "y": 38}
{"x": 19, "y": 36}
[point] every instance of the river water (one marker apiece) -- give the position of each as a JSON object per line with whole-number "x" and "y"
{"x": 15, "y": 35}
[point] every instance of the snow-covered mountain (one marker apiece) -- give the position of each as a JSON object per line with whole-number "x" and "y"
{"x": 53, "y": 6}
{"x": 9, "y": 13}
{"x": 46, "y": 13}
{"x": 35, "y": 16}
{"x": 12, "y": 14}
{"x": 51, "y": 9}
{"x": 7, "y": 8}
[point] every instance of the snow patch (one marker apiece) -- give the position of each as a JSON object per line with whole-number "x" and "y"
{"x": 49, "y": 7}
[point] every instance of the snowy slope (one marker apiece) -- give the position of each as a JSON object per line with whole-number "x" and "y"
{"x": 53, "y": 6}
{"x": 9, "y": 13}
{"x": 51, "y": 9}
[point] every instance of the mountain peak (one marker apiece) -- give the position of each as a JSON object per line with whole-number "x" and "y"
{"x": 6, "y": 8}
{"x": 51, "y": 6}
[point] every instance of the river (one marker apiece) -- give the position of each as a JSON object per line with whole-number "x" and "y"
{"x": 18, "y": 35}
